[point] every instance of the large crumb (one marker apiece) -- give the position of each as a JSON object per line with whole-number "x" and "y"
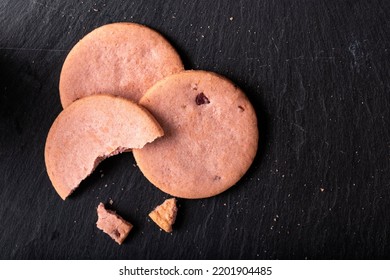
{"x": 164, "y": 215}
{"x": 112, "y": 224}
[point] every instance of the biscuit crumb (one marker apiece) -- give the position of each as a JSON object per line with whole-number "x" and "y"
{"x": 231, "y": 18}
{"x": 112, "y": 224}
{"x": 164, "y": 215}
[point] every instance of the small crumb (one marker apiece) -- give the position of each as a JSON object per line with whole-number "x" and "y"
{"x": 231, "y": 18}
{"x": 95, "y": 10}
{"x": 322, "y": 189}
{"x": 101, "y": 175}
{"x": 111, "y": 201}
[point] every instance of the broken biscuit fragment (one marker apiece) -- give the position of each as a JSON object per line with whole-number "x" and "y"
{"x": 164, "y": 215}
{"x": 112, "y": 224}
{"x": 90, "y": 130}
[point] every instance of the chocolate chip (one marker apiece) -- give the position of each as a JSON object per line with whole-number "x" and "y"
{"x": 217, "y": 178}
{"x": 241, "y": 108}
{"x": 201, "y": 99}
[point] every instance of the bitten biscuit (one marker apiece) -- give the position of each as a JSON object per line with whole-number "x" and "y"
{"x": 90, "y": 130}
{"x": 211, "y": 135}
{"x": 112, "y": 224}
{"x": 123, "y": 59}
{"x": 164, "y": 215}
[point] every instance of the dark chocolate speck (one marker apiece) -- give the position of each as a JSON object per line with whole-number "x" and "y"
{"x": 201, "y": 99}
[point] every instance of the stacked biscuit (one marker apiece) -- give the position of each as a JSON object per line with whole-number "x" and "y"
{"x": 123, "y": 87}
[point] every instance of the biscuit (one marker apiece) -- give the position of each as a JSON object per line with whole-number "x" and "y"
{"x": 112, "y": 224}
{"x": 123, "y": 59}
{"x": 211, "y": 135}
{"x": 164, "y": 215}
{"x": 90, "y": 130}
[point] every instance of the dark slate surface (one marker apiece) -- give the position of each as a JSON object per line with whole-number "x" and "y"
{"x": 318, "y": 75}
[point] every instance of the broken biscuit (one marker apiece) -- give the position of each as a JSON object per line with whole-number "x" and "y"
{"x": 112, "y": 224}
{"x": 164, "y": 215}
{"x": 88, "y": 131}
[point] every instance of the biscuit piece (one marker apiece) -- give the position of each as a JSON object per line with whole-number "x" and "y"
{"x": 164, "y": 215}
{"x": 211, "y": 135}
{"x": 112, "y": 224}
{"x": 90, "y": 130}
{"x": 122, "y": 59}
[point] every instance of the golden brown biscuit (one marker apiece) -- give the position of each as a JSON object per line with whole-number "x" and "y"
{"x": 90, "y": 130}
{"x": 122, "y": 59}
{"x": 211, "y": 135}
{"x": 164, "y": 215}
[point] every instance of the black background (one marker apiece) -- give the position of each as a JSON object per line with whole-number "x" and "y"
{"x": 318, "y": 75}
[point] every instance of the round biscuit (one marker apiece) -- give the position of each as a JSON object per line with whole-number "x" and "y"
{"x": 123, "y": 59}
{"x": 211, "y": 135}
